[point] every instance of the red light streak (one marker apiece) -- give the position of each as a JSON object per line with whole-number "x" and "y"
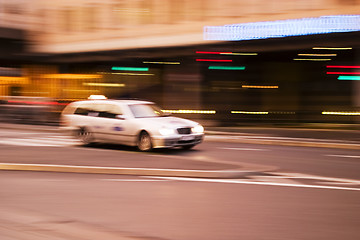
{"x": 212, "y": 60}
{"x": 343, "y": 66}
{"x": 36, "y": 103}
{"x": 340, "y": 73}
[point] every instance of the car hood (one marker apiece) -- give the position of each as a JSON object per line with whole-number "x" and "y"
{"x": 169, "y": 122}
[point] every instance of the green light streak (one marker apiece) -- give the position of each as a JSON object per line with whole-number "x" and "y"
{"x": 226, "y": 68}
{"x": 349, "y": 78}
{"x": 139, "y": 69}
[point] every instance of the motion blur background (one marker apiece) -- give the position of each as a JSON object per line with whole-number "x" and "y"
{"x": 222, "y": 62}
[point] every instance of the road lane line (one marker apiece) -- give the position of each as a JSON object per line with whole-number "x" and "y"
{"x": 343, "y": 156}
{"x": 258, "y": 183}
{"x": 38, "y": 142}
{"x": 314, "y": 177}
{"x": 22, "y": 143}
{"x": 135, "y": 180}
{"x": 243, "y": 149}
{"x": 272, "y": 179}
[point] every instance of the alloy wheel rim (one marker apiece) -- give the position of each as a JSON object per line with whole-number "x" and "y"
{"x": 145, "y": 143}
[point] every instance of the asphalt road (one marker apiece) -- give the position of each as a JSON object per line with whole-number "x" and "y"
{"x": 82, "y": 206}
{"x": 314, "y": 193}
{"x": 21, "y": 146}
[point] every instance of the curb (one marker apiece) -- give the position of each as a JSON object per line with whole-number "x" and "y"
{"x": 233, "y": 173}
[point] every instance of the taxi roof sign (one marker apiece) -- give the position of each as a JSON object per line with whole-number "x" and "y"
{"x": 97, "y": 97}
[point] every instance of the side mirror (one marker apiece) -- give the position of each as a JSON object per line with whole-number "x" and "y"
{"x": 121, "y": 117}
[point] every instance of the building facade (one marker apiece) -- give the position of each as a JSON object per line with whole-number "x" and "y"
{"x": 66, "y": 50}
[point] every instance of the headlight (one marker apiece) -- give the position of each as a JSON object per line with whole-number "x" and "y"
{"x": 198, "y": 129}
{"x": 166, "y": 131}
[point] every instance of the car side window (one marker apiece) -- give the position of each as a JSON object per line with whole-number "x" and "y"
{"x": 81, "y": 111}
{"x": 87, "y": 110}
{"x": 105, "y": 110}
{"x": 109, "y": 111}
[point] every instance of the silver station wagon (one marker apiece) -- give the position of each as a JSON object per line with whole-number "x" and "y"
{"x": 129, "y": 122}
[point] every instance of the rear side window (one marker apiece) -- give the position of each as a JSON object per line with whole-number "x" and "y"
{"x": 106, "y": 110}
{"x": 81, "y": 111}
{"x": 86, "y": 109}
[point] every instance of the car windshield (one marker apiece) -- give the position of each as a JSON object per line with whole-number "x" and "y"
{"x": 147, "y": 110}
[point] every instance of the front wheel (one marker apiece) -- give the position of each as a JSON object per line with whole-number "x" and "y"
{"x": 144, "y": 142}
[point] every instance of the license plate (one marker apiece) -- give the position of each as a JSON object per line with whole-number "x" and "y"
{"x": 187, "y": 138}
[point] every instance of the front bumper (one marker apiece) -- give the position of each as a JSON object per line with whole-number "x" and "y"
{"x": 177, "y": 141}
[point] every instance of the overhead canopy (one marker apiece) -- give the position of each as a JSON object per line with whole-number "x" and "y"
{"x": 283, "y": 28}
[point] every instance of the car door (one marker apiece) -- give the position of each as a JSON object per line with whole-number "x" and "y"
{"x": 85, "y": 116}
{"x": 116, "y": 123}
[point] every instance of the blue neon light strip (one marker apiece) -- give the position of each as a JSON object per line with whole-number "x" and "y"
{"x": 355, "y": 78}
{"x": 226, "y": 68}
{"x": 283, "y": 28}
{"x": 140, "y": 69}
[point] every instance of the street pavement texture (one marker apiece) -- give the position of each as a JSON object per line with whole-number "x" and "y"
{"x": 344, "y": 139}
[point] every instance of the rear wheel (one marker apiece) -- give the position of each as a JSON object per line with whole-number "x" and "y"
{"x": 144, "y": 142}
{"x": 85, "y": 136}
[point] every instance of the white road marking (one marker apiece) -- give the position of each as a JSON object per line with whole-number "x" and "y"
{"x": 308, "y": 176}
{"x": 40, "y": 142}
{"x": 22, "y": 143}
{"x": 136, "y": 180}
{"x": 274, "y": 179}
{"x": 340, "y": 183}
{"x": 258, "y": 183}
{"x": 343, "y": 156}
{"x": 244, "y": 149}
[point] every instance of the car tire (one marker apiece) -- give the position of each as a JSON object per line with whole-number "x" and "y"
{"x": 85, "y": 136}
{"x": 144, "y": 143}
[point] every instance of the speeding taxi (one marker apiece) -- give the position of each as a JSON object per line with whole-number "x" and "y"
{"x": 129, "y": 122}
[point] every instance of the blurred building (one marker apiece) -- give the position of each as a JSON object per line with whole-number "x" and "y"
{"x": 66, "y": 50}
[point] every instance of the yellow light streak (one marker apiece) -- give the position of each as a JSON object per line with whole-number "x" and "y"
{"x": 105, "y": 84}
{"x": 71, "y": 76}
{"x": 318, "y": 55}
{"x": 331, "y": 48}
{"x": 191, "y": 111}
{"x": 252, "y": 86}
{"x": 13, "y": 80}
{"x": 342, "y": 113}
{"x": 129, "y": 74}
{"x": 80, "y": 90}
{"x": 246, "y": 112}
{"x": 240, "y": 54}
{"x": 175, "y": 63}
{"x": 312, "y": 59}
